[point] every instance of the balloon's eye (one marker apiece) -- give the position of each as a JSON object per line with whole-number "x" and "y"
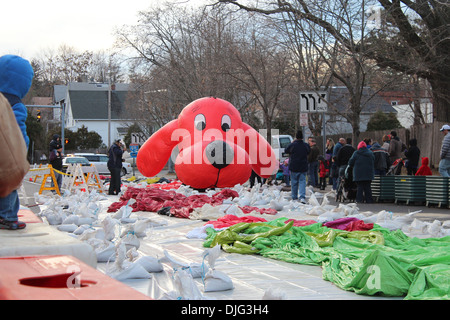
{"x": 200, "y": 122}
{"x": 226, "y": 123}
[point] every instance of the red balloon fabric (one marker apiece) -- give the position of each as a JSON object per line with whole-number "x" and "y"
{"x": 153, "y": 199}
{"x": 216, "y": 149}
{"x": 230, "y": 220}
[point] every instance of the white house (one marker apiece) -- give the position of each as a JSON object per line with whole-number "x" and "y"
{"x": 86, "y": 104}
{"x": 403, "y": 102}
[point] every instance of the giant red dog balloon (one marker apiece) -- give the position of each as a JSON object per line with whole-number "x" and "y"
{"x": 216, "y": 149}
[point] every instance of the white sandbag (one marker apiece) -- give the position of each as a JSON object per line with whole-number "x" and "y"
{"x": 274, "y": 294}
{"x": 122, "y": 269}
{"x": 130, "y": 240}
{"x": 71, "y": 219}
{"x": 186, "y": 287}
{"x": 131, "y": 271}
{"x": 330, "y": 216}
{"x": 216, "y": 280}
{"x": 67, "y": 227}
{"x": 108, "y": 225}
{"x": 197, "y": 270}
{"x": 85, "y": 220}
{"x": 434, "y": 229}
{"x": 54, "y": 219}
{"x": 105, "y": 252}
{"x": 150, "y": 264}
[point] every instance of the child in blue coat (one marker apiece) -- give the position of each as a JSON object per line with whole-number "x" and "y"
{"x": 16, "y": 75}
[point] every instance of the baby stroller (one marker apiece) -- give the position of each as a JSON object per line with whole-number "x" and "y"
{"x": 347, "y": 187}
{"x": 396, "y": 168}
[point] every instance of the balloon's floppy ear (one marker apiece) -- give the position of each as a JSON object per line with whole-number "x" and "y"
{"x": 156, "y": 151}
{"x": 262, "y": 157}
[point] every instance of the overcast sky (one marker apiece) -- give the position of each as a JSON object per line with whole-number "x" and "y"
{"x": 27, "y": 27}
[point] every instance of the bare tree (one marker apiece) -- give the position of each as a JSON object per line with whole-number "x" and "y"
{"x": 421, "y": 33}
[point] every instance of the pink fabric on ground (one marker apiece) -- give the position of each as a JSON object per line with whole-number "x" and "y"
{"x": 349, "y": 224}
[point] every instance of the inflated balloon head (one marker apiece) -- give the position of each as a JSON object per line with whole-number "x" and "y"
{"x": 216, "y": 149}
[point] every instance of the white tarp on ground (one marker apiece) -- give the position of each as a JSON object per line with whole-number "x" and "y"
{"x": 134, "y": 246}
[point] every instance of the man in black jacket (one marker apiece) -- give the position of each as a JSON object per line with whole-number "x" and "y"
{"x": 115, "y": 167}
{"x": 343, "y": 156}
{"x": 298, "y": 152}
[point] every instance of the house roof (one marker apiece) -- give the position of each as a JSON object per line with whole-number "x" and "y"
{"x": 371, "y": 103}
{"x": 90, "y": 101}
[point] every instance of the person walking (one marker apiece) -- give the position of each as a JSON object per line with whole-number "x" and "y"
{"x": 381, "y": 162}
{"x": 362, "y": 162}
{"x": 115, "y": 153}
{"x": 412, "y": 155}
{"x": 298, "y": 152}
{"x": 16, "y": 75}
{"x": 444, "y": 163}
{"x": 313, "y": 163}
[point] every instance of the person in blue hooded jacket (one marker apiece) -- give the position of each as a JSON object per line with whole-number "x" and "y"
{"x": 362, "y": 162}
{"x": 16, "y": 75}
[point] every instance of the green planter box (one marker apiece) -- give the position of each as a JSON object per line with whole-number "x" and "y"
{"x": 437, "y": 190}
{"x": 386, "y": 188}
{"x": 410, "y": 189}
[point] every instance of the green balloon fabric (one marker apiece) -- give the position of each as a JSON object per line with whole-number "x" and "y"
{"x": 375, "y": 262}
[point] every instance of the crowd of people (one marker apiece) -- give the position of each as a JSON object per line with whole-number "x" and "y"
{"x": 308, "y": 166}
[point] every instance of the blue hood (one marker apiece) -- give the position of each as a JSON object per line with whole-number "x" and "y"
{"x": 16, "y": 75}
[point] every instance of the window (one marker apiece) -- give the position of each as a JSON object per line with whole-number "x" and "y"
{"x": 92, "y": 158}
{"x": 285, "y": 142}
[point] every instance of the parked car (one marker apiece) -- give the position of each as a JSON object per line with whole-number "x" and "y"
{"x": 279, "y": 143}
{"x": 100, "y": 161}
{"x": 72, "y": 159}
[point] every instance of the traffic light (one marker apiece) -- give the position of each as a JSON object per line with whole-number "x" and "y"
{"x": 38, "y": 116}
{"x": 66, "y": 140}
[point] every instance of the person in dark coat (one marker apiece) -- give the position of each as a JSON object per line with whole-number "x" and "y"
{"x": 344, "y": 154}
{"x": 382, "y": 161}
{"x": 298, "y": 152}
{"x": 55, "y": 144}
{"x": 412, "y": 157}
{"x": 115, "y": 167}
{"x": 362, "y": 162}
{"x": 56, "y": 160}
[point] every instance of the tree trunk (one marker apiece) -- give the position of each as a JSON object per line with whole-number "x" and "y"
{"x": 441, "y": 98}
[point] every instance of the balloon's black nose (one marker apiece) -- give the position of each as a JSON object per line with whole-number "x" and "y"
{"x": 219, "y": 153}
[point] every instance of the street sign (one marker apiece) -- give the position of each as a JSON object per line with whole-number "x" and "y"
{"x": 137, "y": 138}
{"x": 134, "y": 148}
{"x": 313, "y": 101}
{"x": 303, "y": 119}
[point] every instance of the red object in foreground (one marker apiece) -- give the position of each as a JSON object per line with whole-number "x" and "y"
{"x": 27, "y": 216}
{"x": 59, "y": 277}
